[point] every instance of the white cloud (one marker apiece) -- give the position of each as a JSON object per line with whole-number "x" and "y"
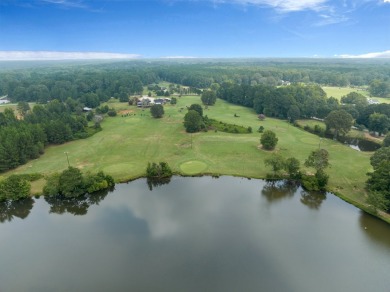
{"x": 283, "y": 5}
{"x": 384, "y": 54}
{"x": 54, "y": 55}
{"x": 66, "y": 3}
{"x": 386, "y": 1}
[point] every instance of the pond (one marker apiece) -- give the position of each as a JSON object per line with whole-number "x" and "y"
{"x": 194, "y": 234}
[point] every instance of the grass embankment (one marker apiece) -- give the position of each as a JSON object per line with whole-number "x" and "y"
{"x": 128, "y": 143}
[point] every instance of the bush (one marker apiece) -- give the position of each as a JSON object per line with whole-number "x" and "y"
{"x": 160, "y": 170}
{"x": 71, "y": 183}
{"x": 98, "y": 182}
{"x": 261, "y": 129}
{"x": 14, "y": 188}
{"x": 317, "y": 182}
{"x": 51, "y": 187}
{"x": 111, "y": 113}
{"x": 310, "y": 183}
{"x": 322, "y": 179}
{"x": 224, "y": 127}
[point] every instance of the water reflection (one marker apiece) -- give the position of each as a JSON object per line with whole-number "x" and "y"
{"x": 276, "y": 190}
{"x": 11, "y": 209}
{"x": 312, "y": 199}
{"x": 156, "y": 182}
{"x": 76, "y": 206}
{"x": 375, "y": 229}
{"x": 194, "y": 234}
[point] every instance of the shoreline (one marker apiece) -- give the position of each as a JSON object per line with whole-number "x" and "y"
{"x": 365, "y": 208}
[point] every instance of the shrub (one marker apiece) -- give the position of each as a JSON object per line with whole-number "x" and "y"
{"x": 14, "y": 188}
{"x": 268, "y": 140}
{"x": 71, "y": 183}
{"x": 97, "y": 182}
{"x": 111, "y": 113}
{"x": 310, "y": 183}
{"x": 160, "y": 170}
{"x": 322, "y": 179}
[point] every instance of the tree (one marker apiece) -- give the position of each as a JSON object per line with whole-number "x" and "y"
{"x": 277, "y": 163}
{"x": 71, "y": 183}
{"x": 379, "y": 185}
{"x": 193, "y": 121}
{"x": 15, "y": 187}
{"x": 379, "y": 88}
{"x": 340, "y": 121}
{"x": 378, "y": 123}
{"x": 318, "y": 159}
{"x": 196, "y": 107}
{"x": 23, "y": 107}
{"x": 157, "y": 111}
{"x": 293, "y": 113}
{"x": 173, "y": 100}
{"x": 123, "y": 97}
{"x": 209, "y": 97}
{"x": 377, "y": 201}
{"x": 386, "y": 141}
{"x": 268, "y": 140}
{"x": 292, "y": 166}
{"x": 381, "y": 155}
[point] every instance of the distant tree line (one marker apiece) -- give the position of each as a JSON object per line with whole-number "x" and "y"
{"x": 92, "y": 84}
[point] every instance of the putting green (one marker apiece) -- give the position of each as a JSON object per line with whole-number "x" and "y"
{"x": 193, "y": 167}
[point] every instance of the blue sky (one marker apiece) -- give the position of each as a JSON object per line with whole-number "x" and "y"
{"x": 71, "y": 29}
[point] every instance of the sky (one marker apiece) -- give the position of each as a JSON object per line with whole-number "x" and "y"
{"x": 112, "y": 29}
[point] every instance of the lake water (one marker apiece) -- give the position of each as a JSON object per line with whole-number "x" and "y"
{"x": 194, "y": 234}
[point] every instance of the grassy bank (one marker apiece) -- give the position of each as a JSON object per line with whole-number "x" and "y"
{"x": 128, "y": 143}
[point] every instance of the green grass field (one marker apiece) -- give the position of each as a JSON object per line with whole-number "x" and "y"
{"x": 127, "y": 144}
{"x": 338, "y": 92}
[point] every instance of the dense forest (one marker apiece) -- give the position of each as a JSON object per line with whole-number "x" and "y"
{"x": 93, "y": 83}
{"x": 23, "y": 136}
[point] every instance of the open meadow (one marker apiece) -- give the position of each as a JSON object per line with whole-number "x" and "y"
{"x": 338, "y": 92}
{"x": 133, "y": 138}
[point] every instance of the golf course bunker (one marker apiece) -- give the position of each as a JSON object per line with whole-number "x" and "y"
{"x": 193, "y": 167}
